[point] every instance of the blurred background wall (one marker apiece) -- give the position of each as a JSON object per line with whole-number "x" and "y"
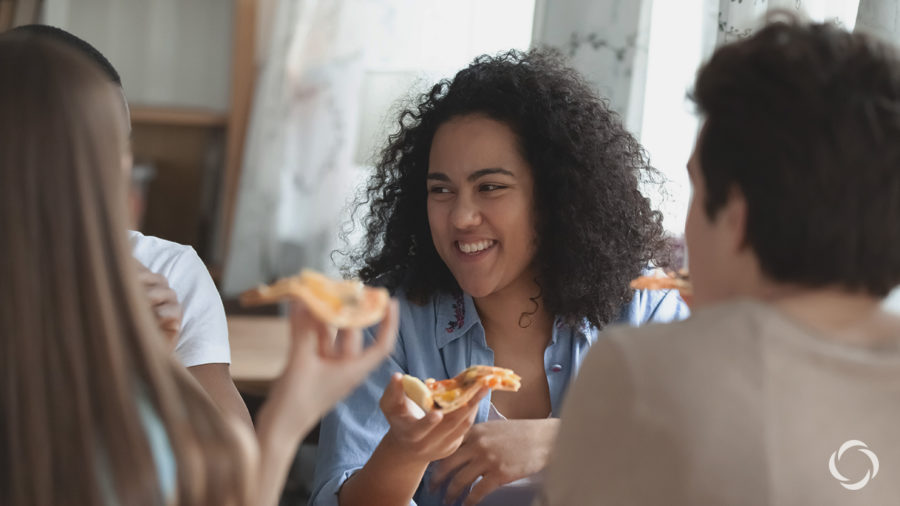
{"x": 255, "y": 121}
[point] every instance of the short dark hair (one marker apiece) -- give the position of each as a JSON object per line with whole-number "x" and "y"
{"x": 804, "y": 120}
{"x": 74, "y": 42}
{"x": 595, "y": 230}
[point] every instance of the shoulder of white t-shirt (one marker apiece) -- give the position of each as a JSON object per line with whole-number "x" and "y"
{"x": 204, "y": 336}
{"x": 155, "y": 253}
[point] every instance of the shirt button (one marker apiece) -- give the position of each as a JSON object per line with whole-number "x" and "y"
{"x": 555, "y": 368}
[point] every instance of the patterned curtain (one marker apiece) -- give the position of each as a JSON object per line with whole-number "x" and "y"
{"x": 607, "y": 41}
{"x": 880, "y": 18}
{"x": 738, "y": 19}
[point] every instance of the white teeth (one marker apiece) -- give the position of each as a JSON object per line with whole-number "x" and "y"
{"x": 475, "y": 247}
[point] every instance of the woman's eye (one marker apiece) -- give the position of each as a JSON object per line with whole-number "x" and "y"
{"x": 491, "y": 187}
{"x": 438, "y": 189}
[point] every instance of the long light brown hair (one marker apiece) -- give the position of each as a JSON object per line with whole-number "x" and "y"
{"x": 78, "y": 345}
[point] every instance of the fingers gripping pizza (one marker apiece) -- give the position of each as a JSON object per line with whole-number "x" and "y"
{"x": 340, "y": 303}
{"x": 451, "y": 394}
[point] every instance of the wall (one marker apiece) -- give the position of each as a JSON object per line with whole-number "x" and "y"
{"x": 168, "y": 52}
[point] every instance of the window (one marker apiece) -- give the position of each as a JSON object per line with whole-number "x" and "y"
{"x": 669, "y": 122}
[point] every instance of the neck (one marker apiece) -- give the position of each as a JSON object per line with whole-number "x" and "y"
{"x": 515, "y": 309}
{"x": 854, "y": 318}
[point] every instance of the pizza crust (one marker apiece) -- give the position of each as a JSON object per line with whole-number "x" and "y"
{"x": 416, "y": 390}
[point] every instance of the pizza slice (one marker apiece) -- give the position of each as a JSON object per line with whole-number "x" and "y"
{"x": 451, "y": 394}
{"x": 340, "y": 303}
{"x": 668, "y": 281}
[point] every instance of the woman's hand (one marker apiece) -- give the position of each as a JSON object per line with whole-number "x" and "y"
{"x": 395, "y": 469}
{"x": 164, "y": 302}
{"x": 431, "y": 437}
{"x": 500, "y": 452}
{"x": 323, "y": 368}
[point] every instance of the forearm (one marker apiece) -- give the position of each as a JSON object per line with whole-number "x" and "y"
{"x": 280, "y": 428}
{"x": 215, "y": 379}
{"x": 389, "y": 478}
{"x": 276, "y": 455}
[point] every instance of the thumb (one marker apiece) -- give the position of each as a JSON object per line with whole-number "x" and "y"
{"x": 393, "y": 401}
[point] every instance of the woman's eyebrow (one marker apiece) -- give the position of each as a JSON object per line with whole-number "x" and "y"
{"x": 437, "y": 176}
{"x": 486, "y": 172}
{"x": 440, "y": 176}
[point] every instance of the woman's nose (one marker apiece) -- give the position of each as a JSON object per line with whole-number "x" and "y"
{"x": 465, "y": 213}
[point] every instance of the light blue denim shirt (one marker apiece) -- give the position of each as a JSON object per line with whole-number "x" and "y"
{"x": 438, "y": 340}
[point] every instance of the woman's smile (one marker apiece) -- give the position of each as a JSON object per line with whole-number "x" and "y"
{"x": 475, "y": 249}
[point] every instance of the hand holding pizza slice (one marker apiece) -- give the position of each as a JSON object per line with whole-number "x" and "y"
{"x": 451, "y": 394}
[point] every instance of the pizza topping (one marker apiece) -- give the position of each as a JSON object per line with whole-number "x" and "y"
{"x": 451, "y": 394}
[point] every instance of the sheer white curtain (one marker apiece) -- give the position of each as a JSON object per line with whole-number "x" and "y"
{"x": 329, "y": 77}
{"x": 298, "y": 168}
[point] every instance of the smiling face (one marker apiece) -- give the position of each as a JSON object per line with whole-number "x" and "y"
{"x": 481, "y": 204}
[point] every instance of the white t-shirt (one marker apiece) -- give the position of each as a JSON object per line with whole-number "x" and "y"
{"x": 204, "y": 331}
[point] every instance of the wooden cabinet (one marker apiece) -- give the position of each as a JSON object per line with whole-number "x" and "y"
{"x": 187, "y": 68}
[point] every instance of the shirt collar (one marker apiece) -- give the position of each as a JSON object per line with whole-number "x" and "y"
{"x": 455, "y": 315}
{"x": 584, "y": 330}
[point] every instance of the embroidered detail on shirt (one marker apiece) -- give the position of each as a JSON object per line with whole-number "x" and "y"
{"x": 459, "y": 311}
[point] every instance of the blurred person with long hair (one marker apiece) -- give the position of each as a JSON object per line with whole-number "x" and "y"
{"x": 179, "y": 288}
{"x": 93, "y": 408}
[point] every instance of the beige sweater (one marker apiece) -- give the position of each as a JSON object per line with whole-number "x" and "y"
{"x": 738, "y": 405}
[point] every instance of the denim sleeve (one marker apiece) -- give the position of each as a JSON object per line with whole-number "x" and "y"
{"x": 350, "y": 433}
{"x": 666, "y": 307}
{"x": 654, "y": 306}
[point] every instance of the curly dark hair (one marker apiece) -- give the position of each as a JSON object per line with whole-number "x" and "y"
{"x": 595, "y": 230}
{"x": 804, "y": 119}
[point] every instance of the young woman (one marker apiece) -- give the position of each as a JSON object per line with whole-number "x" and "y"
{"x": 93, "y": 410}
{"x": 506, "y": 215}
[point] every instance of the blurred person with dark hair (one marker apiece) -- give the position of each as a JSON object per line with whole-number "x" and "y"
{"x": 506, "y": 214}
{"x": 783, "y": 388}
{"x": 176, "y": 282}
